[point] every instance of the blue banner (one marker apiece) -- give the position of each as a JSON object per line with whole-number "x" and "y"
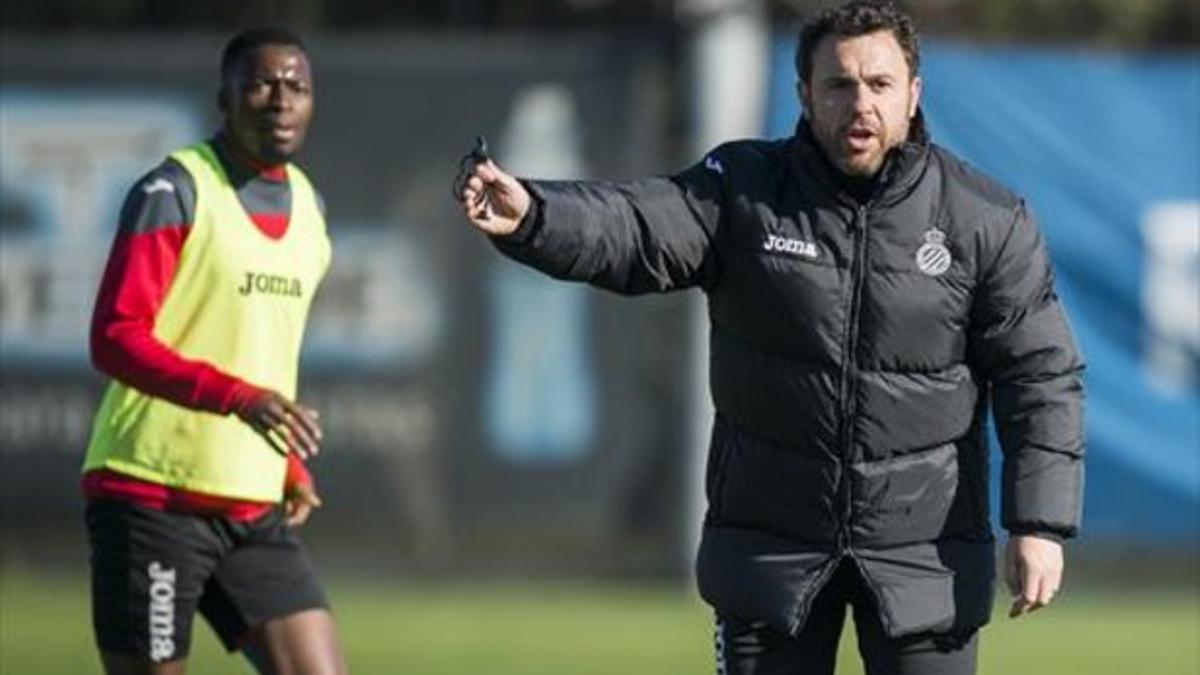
{"x": 1106, "y": 148}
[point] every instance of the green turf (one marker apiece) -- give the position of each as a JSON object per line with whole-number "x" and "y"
{"x": 582, "y": 629}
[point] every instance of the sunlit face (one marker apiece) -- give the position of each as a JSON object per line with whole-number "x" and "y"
{"x": 268, "y": 103}
{"x": 860, "y": 99}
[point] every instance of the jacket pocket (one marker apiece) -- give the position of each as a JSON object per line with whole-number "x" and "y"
{"x": 754, "y": 575}
{"x": 913, "y": 589}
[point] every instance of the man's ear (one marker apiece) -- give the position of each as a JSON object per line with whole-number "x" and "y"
{"x": 914, "y": 94}
{"x": 223, "y": 99}
{"x": 803, "y": 93}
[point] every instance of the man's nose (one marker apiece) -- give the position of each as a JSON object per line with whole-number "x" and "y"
{"x": 280, "y": 98}
{"x": 862, "y": 100}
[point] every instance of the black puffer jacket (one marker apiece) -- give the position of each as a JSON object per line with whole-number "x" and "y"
{"x": 855, "y": 349}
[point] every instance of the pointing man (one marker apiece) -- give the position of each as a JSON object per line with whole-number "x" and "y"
{"x": 870, "y": 298}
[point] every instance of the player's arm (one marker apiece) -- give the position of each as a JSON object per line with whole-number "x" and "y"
{"x": 1025, "y": 348}
{"x": 154, "y": 225}
{"x": 649, "y": 235}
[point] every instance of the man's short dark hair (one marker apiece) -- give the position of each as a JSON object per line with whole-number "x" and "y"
{"x": 250, "y": 39}
{"x": 852, "y": 19}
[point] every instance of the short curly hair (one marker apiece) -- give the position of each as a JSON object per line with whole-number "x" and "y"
{"x": 859, "y": 17}
{"x": 246, "y": 41}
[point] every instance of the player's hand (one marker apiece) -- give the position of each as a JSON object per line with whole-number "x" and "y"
{"x": 300, "y": 500}
{"x": 1034, "y": 568}
{"x": 289, "y": 427}
{"x": 492, "y": 200}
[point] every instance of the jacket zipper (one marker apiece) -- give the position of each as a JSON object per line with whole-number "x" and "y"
{"x": 850, "y": 372}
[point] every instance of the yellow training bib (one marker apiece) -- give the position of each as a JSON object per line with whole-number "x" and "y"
{"x": 239, "y": 301}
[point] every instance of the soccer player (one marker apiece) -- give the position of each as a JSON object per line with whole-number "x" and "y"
{"x": 194, "y": 476}
{"x": 870, "y": 296}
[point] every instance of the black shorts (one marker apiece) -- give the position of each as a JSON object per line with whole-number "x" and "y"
{"x": 151, "y": 571}
{"x": 751, "y": 647}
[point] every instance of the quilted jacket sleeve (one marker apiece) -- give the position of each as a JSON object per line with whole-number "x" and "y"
{"x": 1024, "y": 347}
{"x": 642, "y": 236}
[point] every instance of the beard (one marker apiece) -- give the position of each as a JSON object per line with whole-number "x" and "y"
{"x": 858, "y": 146}
{"x": 863, "y": 164}
{"x": 860, "y": 157}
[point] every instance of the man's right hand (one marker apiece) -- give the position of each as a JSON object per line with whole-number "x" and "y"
{"x": 492, "y": 200}
{"x": 289, "y": 427}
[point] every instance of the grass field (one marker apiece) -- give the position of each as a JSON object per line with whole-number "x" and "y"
{"x": 582, "y": 629}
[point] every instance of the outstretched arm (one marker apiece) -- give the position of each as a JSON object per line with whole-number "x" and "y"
{"x": 649, "y": 235}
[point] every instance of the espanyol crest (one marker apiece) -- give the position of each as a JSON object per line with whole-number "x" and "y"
{"x": 933, "y": 258}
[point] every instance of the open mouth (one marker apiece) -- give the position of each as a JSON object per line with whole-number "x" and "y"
{"x": 859, "y": 137}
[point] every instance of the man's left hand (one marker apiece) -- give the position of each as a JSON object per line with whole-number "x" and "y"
{"x": 1034, "y": 568}
{"x": 301, "y": 499}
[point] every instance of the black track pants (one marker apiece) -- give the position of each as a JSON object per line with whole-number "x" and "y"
{"x": 752, "y": 648}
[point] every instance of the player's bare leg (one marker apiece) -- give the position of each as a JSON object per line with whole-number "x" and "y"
{"x": 304, "y": 643}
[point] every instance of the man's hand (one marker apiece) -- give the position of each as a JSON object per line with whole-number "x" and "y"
{"x": 289, "y": 427}
{"x": 492, "y": 200}
{"x": 1034, "y": 567}
{"x": 300, "y": 500}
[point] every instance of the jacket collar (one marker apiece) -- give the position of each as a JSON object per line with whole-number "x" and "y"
{"x": 902, "y": 168}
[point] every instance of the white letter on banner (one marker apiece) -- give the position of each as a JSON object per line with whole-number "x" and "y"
{"x": 1171, "y": 295}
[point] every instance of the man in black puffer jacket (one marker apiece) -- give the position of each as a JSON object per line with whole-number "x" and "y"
{"x": 870, "y": 296}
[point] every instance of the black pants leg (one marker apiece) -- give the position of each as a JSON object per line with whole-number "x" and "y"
{"x": 912, "y": 655}
{"x": 748, "y": 647}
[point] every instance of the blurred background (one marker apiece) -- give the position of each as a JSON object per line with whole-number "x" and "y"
{"x": 513, "y": 465}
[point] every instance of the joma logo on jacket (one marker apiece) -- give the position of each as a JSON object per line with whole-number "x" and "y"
{"x": 804, "y": 249}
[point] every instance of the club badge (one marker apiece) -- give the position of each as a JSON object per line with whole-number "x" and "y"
{"x": 933, "y": 258}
